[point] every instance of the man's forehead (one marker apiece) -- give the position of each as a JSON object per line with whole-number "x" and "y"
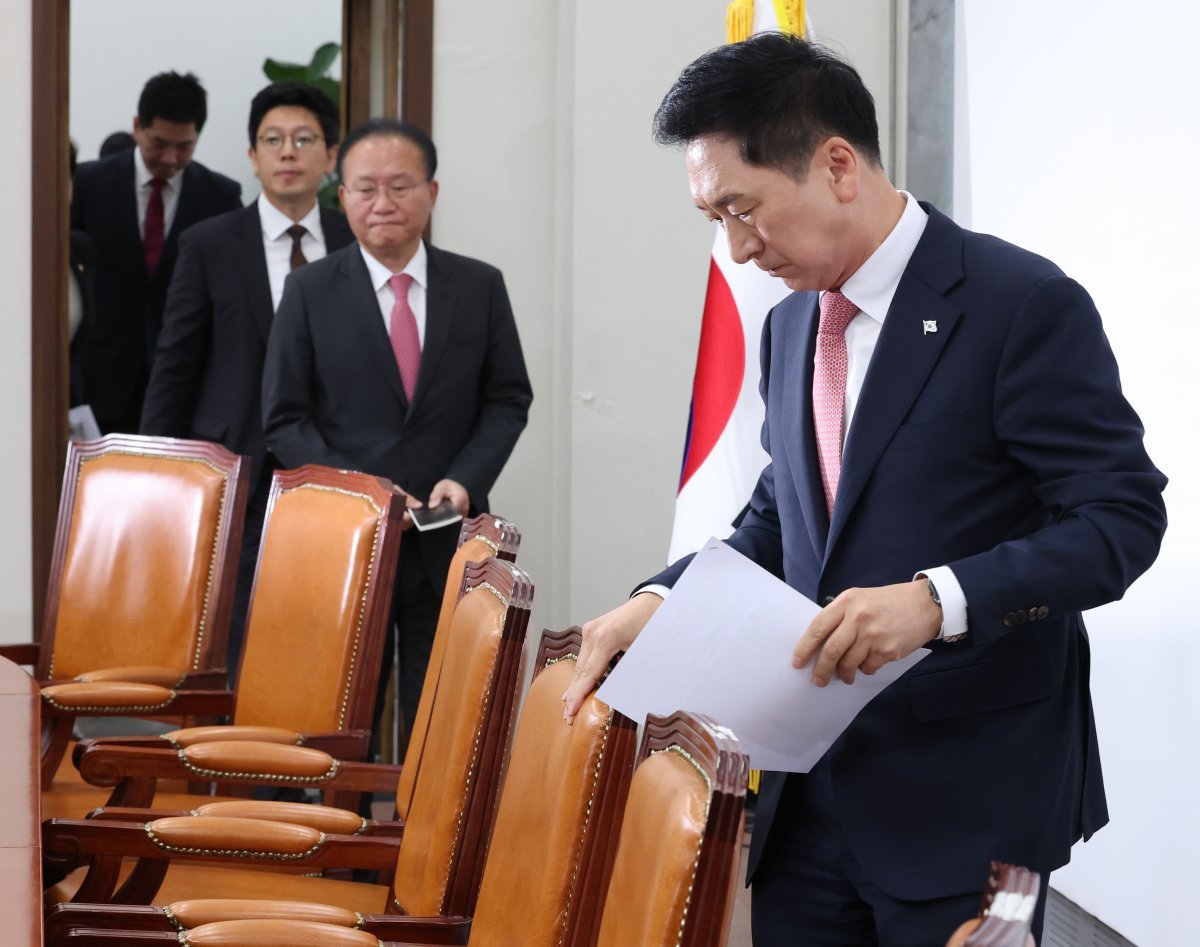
{"x": 713, "y": 166}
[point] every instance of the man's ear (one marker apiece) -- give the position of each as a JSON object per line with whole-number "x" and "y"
{"x": 843, "y": 165}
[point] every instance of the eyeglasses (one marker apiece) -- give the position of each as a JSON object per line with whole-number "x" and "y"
{"x": 366, "y": 193}
{"x": 273, "y": 141}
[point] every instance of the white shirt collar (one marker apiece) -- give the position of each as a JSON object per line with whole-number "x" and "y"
{"x": 417, "y": 268}
{"x": 142, "y": 175}
{"x": 275, "y": 223}
{"x": 873, "y": 284}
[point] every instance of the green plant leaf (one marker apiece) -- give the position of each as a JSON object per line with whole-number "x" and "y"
{"x": 323, "y": 58}
{"x": 331, "y": 87}
{"x": 276, "y": 71}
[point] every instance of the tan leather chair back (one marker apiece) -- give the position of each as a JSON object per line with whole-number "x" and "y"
{"x": 480, "y": 538}
{"x": 310, "y": 608}
{"x": 563, "y": 785}
{"x": 470, "y": 716}
{"x": 660, "y": 845}
{"x": 141, "y": 573}
{"x": 672, "y": 883}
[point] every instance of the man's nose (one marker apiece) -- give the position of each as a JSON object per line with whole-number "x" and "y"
{"x": 744, "y": 244}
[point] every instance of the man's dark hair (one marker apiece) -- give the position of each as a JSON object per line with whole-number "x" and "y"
{"x": 390, "y": 128}
{"x": 173, "y": 98}
{"x": 116, "y": 143}
{"x": 302, "y": 95}
{"x": 775, "y": 95}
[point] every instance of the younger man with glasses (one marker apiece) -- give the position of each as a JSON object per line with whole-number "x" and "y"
{"x": 134, "y": 205}
{"x": 207, "y": 374}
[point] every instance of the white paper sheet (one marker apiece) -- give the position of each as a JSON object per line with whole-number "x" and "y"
{"x": 721, "y": 644}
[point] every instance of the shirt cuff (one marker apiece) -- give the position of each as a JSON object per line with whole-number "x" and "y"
{"x": 954, "y": 601}
{"x": 662, "y": 591}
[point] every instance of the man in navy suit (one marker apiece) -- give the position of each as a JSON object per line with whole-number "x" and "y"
{"x": 134, "y": 205}
{"x": 984, "y": 483}
{"x": 207, "y": 376}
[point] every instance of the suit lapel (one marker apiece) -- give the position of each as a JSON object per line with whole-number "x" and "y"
{"x": 904, "y": 357}
{"x": 247, "y": 247}
{"x": 440, "y": 296}
{"x": 127, "y": 213}
{"x": 798, "y": 435}
{"x": 362, "y": 312}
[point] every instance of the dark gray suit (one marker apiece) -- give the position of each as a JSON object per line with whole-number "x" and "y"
{"x": 332, "y": 395}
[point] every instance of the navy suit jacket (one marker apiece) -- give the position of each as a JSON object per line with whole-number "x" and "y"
{"x": 998, "y": 443}
{"x": 207, "y": 378}
{"x": 129, "y": 303}
{"x": 332, "y": 393}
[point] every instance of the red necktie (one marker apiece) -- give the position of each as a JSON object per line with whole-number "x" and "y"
{"x": 152, "y": 233}
{"x": 402, "y": 329}
{"x": 829, "y": 388}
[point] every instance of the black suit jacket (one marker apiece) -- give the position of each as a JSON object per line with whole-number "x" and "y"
{"x": 991, "y": 436}
{"x": 83, "y": 269}
{"x": 332, "y": 392}
{"x": 207, "y": 377}
{"x": 129, "y": 304}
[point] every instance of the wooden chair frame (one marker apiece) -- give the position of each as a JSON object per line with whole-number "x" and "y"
{"x": 105, "y": 841}
{"x": 208, "y": 649}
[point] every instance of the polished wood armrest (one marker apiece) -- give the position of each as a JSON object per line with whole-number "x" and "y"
{"x": 245, "y": 842}
{"x": 325, "y": 818}
{"x": 27, "y": 652}
{"x": 234, "y": 763}
{"x": 344, "y": 744}
{"x": 401, "y": 929}
{"x": 217, "y": 733}
{"x": 76, "y": 699}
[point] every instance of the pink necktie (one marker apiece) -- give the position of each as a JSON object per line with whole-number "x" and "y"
{"x": 402, "y": 328}
{"x": 152, "y": 232}
{"x": 829, "y": 388}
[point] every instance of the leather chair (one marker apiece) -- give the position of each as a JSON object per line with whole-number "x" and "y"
{"x": 141, "y": 581}
{"x": 1006, "y": 915}
{"x": 435, "y": 871}
{"x": 677, "y": 861}
{"x": 552, "y": 847}
{"x": 319, "y": 609}
{"x": 480, "y": 538}
{"x": 551, "y": 857}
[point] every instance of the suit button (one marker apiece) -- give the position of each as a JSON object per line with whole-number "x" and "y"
{"x": 827, "y": 601}
{"x": 1010, "y": 619}
{"x": 1021, "y": 616}
{"x": 1043, "y": 611}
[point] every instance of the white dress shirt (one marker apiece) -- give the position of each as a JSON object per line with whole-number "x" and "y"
{"x": 277, "y": 243}
{"x": 417, "y": 268}
{"x": 871, "y": 288}
{"x": 143, "y": 190}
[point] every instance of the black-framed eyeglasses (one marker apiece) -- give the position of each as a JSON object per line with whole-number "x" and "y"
{"x": 274, "y": 141}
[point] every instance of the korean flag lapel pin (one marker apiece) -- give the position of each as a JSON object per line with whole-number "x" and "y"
{"x": 930, "y": 326}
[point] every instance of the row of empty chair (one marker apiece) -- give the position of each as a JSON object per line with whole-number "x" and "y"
{"x": 543, "y": 836}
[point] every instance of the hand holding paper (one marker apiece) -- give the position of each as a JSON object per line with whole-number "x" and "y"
{"x": 722, "y": 644}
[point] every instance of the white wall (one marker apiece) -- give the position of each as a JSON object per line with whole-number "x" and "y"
{"x": 16, "y": 603}
{"x": 542, "y": 116}
{"x": 116, "y": 45}
{"x": 1082, "y": 135}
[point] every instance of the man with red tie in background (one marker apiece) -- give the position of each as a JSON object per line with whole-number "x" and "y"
{"x": 400, "y": 359}
{"x": 134, "y": 205}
